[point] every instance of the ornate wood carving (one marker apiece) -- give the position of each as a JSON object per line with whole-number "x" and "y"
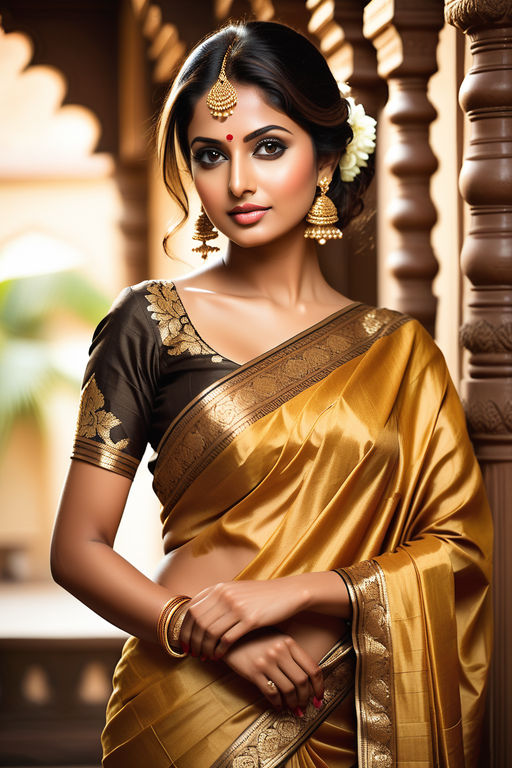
{"x": 485, "y": 182}
{"x": 405, "y": 35}
{"x": 482, "y": 336}
{"x": 466, "y": 14}
{"x": 132, "y": 162}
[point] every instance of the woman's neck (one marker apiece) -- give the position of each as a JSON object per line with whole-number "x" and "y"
{"x": 286, "y": 271}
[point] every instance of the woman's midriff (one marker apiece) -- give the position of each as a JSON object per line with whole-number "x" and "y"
{"x": 184, "y": 573}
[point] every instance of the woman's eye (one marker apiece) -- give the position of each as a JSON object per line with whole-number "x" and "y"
{"x": 270, "y": 148}
{"x": 208, "y": 156}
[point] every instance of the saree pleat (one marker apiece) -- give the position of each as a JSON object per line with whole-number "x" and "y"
{"x": 367, "y": 469}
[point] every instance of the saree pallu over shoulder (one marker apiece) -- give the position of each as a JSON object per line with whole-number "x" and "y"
{"x": 211, "y": 421}
{"x": 344, "y": 449}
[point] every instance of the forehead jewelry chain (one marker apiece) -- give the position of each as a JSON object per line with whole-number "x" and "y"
{"x": 222, "y": 97}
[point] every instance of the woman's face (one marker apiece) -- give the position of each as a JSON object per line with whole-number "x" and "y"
{"x": 255, "y": 172}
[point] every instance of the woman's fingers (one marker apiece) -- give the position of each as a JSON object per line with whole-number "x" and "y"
{"x": 305, "y": 662}
{"x": 205, "y": 638}
{"x": 293, "y": 684}
{"x": 289, "y": 668}
{"x": 203, "y": 631}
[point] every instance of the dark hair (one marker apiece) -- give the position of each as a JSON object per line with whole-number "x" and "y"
{"x": 294, "y": 77}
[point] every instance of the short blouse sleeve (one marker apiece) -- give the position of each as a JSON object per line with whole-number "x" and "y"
{"x": 119, "y": 385}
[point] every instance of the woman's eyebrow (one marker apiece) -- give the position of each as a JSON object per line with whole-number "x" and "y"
{"x": 265, "y": 129}
{"x": 206, "y": 140}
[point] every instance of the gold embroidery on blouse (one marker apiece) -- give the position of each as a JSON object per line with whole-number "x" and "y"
{"x": 275, "y": 736}
{"x": 176, "y": 330}
{"x": 212, "y": 421}
{"x": 372, "y": 642}
{"x": 93, "y": 420}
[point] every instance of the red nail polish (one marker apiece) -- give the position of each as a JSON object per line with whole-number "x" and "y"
{"x": 185, "y": 647}
{"x": 317, "y": 702}
{"x": 194, "y": 655}
{"x": 203, "y": 658}
{"x": 298, "y": 711}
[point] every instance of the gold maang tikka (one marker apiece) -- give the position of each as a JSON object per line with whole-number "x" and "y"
{"x": 222, "y": 96}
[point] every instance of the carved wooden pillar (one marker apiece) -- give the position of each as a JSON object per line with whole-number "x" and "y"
{"x": 132, "y": 182}
{"x": 339, "y": 28}
{"x": 132, "y": 162}
{"x": 405, "y": 35}
{"x": 486, "y": 184}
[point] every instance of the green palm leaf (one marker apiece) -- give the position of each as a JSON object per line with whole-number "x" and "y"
{"x": 29, "y": 368}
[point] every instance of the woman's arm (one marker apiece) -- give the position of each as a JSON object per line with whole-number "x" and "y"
{"x": 82, "y": 557}
{"x": 83, "y": 562}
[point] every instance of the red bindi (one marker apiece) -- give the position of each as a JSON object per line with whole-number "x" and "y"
{"x": 229, "y": 137}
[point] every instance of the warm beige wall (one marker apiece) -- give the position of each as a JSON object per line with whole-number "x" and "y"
{"x": 85, "y": 215}
{"x": 81, "y": 212}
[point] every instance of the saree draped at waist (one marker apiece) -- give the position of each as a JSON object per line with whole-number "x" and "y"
{"x": 345, "y": 448}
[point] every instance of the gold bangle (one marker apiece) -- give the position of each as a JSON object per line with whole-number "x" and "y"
{"x": 167, "y": 607}
{"x": 170, "y": 616}
{"x": 176, "y": 623}
{"x": 164, "y": 619}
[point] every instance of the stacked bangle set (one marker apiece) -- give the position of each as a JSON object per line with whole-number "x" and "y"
{"x": 169, "y": 625}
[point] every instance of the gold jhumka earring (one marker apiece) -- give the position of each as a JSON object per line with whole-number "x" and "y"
{"x": 322, "y": 214}
{"x": 222, "y": 97}
{"x": 204, "y": 231}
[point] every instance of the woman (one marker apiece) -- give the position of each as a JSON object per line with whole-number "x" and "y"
{"x": 311, "y": 459}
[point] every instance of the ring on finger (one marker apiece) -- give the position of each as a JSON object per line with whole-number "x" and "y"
{"x": 272, "y": 685}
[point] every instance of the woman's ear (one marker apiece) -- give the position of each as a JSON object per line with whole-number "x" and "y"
{"x": 327, "y": 163}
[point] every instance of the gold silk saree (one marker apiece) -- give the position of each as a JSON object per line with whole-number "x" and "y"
{"x": 344, "y": 448}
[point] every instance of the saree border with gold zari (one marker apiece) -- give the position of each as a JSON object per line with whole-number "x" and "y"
{"x": 222, "y": 411}
{"x": 366, "y": 586}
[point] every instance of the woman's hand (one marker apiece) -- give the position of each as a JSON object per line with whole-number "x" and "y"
{"x": 271, "y": 655}
{"x": 221, "y": 614}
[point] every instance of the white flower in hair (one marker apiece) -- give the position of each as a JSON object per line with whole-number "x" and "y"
{"x": 362, "y": 145}
{"x": 344, "y": 88}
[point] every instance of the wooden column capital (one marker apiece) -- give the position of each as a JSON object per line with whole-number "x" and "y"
{"x": 466, "y": 14}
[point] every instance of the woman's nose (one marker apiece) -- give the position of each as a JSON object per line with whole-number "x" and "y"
{"x": 241, "y": 178}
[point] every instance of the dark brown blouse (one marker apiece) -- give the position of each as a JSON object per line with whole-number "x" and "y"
{"x": 147, "y": 362}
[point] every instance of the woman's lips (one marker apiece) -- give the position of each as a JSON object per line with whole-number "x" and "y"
{"x": 249, "y": 215}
